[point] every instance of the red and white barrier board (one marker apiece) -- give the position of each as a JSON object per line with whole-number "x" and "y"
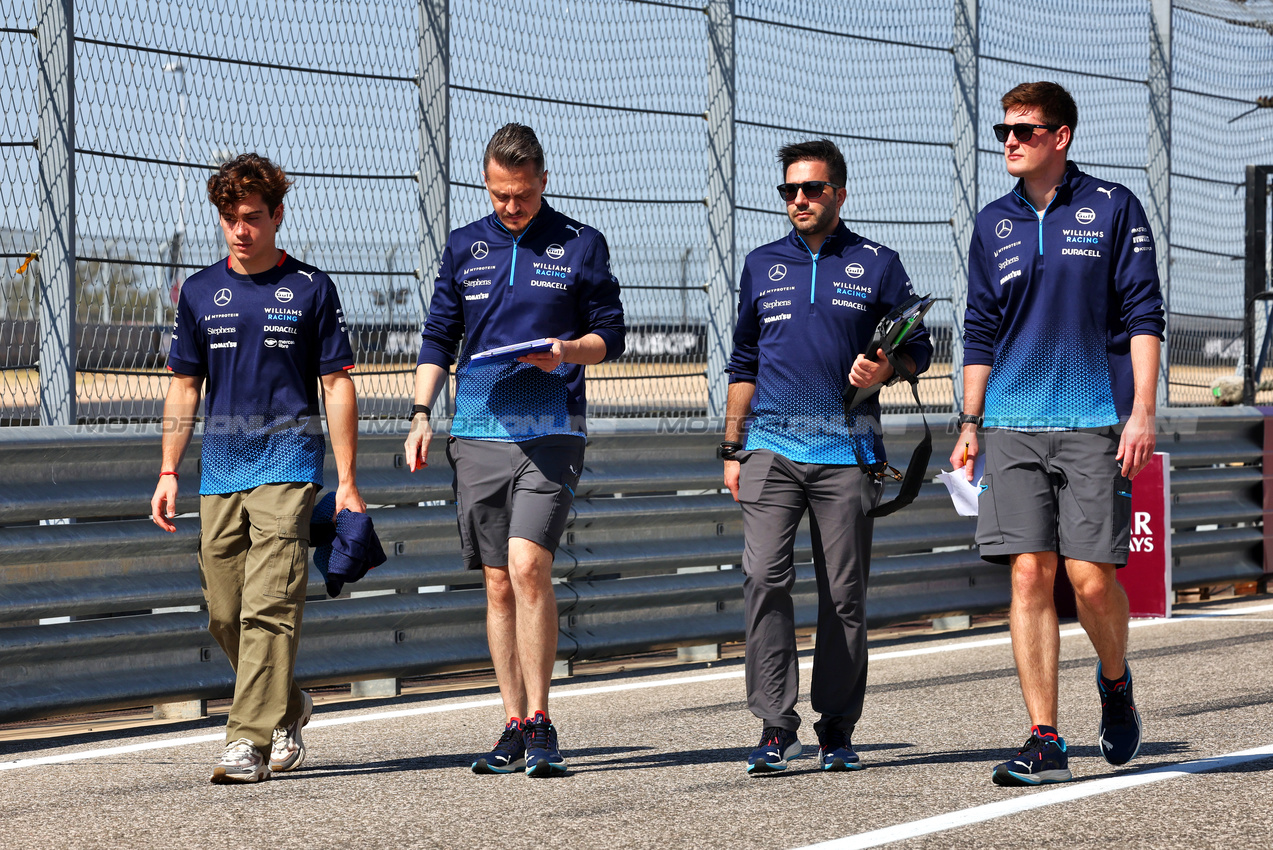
{"x": 1147, "y": 576}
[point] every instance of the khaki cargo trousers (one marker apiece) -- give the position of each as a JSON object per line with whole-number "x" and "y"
{"x": 253, "y": 562}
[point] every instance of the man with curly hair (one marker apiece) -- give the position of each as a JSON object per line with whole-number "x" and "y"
{"x": 261, "y": 329}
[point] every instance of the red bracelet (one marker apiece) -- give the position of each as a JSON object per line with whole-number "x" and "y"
{"x": 169, "y": 472}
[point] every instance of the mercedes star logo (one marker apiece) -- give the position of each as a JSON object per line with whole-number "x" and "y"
{"x": 222, "y": 297}
{"x": 480, "y": 250}
{"x": 777, "y": 271}
{"x": 1003, "y": 229}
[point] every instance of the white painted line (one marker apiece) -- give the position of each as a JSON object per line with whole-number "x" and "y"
{"x": 1038, "y": 800}
{"x": 562, "y": 693}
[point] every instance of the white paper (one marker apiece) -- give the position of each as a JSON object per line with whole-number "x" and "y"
{"x": 963, "y": 492}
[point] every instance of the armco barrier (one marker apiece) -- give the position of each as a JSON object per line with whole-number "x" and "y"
{"x": 648, "y": 505}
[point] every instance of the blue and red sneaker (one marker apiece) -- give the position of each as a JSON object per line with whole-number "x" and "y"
{"x": 1120, "y": 727}
{"x": 542, "y": 757}
{"x": 509, "y": 754}
{"x": 1041, "y": 761}
{"x": 777, "y": 747}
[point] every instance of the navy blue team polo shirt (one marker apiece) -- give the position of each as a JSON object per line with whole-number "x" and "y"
{"x": 262, "y": 341}
{"x": 1054, "y": 301}
{"x": 802, "y": 320}
{"x": 494, "y": 289}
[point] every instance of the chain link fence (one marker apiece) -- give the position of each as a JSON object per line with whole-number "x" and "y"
{"x": 660, "y": 123}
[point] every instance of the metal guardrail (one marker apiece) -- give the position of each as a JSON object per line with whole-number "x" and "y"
{"x": 648, "y": 505}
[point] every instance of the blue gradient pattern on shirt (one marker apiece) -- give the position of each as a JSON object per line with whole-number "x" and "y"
{"x": 1053, "y": 304}
{"x": 261, "y": 342}
{"x": 494, "y": 289}
{"x": 798, "y": 334}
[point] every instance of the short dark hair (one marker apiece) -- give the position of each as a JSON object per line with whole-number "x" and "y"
{"x": 818, "y": 150}
{"x": 514, "y": 145}
{"x": 1053, "y": 102}
{"x": 247, "y": 174}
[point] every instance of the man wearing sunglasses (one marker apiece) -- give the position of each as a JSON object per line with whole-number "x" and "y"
{"x": 523, "y": 273}
{"x": 1061, "y": 347}
{"x": 808, "y": 306}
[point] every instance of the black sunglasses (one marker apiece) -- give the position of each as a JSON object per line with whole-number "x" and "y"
{"x": 812, "y": 189}
{"x": 1023, "y": 132}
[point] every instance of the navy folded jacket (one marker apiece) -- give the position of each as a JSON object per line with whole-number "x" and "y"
{"x": 345, "y": 546}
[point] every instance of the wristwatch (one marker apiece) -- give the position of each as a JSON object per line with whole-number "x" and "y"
{"x": 969, "y": 419}
{"x": 417, "y": 409}
{"x": 728, "y": 449}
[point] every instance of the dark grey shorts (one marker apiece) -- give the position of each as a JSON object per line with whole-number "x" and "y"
{"x": 505, "y": 490}
{"x": 1054, "y": 491}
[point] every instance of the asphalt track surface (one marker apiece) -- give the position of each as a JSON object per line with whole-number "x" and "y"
{"x": 657, "y": 760}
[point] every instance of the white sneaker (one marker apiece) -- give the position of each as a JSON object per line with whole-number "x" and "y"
{"x": 241, "y": 762}
{"x": 288, "y": 750}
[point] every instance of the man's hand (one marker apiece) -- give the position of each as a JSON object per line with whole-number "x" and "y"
{"x": 347, "y": 496}
{"x": 732, "y": 468}
{"x": 866, "y": 373}
{"x": 966, "y": 450}
{"x": 163, "y": 505}
{"x": 1137, "y": 444}
{"x": 547, "y": 360}
{"x": 417, "y": 444}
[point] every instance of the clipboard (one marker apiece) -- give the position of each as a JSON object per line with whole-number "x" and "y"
{"x": 510, "y": 352}
{"x": 893, "y": 331}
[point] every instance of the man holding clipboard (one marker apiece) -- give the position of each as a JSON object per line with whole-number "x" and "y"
{"x": 530, "y": 295}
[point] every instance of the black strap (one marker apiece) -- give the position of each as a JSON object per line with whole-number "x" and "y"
{"x": 917, "y": 469}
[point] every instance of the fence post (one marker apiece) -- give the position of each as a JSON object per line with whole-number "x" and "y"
{"x": 434, "y": 177}
{"x": 1257, "y": 191}
{"x": 721, "y": 101}
{"x": 964, "y": 150}
{"x": 1158, "y": 201}
{"x": 55, "y": 48}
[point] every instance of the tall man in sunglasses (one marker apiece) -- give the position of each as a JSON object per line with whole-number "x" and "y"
{"x": 525, "y": 272}
{"x": 1061, "y": 347}
{"x": 808, "y": 305}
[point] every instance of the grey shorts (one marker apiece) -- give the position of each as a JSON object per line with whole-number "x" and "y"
{"x": 1054, "y": 491}
{"x": 505, "y": 490}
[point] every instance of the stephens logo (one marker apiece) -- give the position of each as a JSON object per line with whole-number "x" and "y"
{"x": 283, "y": 294}
{"x": 1003, "y": 229}
{"x": 222, "y": 297}
{"x": 777, "y": 271}
{"x": 854, "y": 270}
{"x": 1085, "y": 216}
{"x": 555, "y": 251}
{"x": 479, "y": 250}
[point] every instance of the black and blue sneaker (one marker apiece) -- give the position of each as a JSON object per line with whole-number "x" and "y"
{"x": 509, "y": 754}
{"x": 835, "y": 751}
{"x": 1120, "y": 721}
{"x": 777, "y": 747}
{"x": 1042, "y": 761}
{"x": 542, "y": 757}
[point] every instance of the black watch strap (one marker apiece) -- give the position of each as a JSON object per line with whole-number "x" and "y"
{"x": 417, "y": 409}
{"x": 728, "y": 449}
{"x": 969, "y": 419}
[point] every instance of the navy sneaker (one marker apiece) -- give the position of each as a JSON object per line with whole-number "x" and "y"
{"x": 542, "y": 757}
{"x": 509, "y": 754}
{"x": 835, "y": 751}
{"x": 777, "y": 747}
{"x": 1041, "y": 761}
{"x": 1120, "y": 721}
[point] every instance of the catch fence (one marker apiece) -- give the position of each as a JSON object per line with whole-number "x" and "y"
{"x": 660, "y": 120}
